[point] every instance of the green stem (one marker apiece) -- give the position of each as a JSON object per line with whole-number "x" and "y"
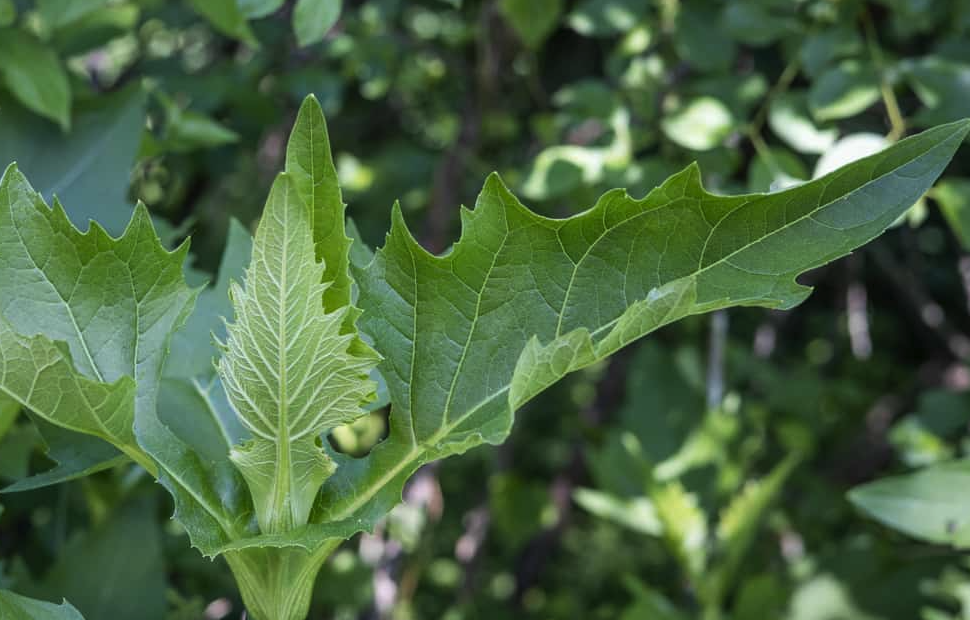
{"x": 897, "y": 123}
{"x": 276, "y": 583}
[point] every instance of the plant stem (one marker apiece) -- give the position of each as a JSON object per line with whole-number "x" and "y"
{"x": 897, "y": 122}
{"x": 276, "y": 583}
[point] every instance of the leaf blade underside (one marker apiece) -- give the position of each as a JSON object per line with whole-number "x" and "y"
{"x": 289, "y": 369}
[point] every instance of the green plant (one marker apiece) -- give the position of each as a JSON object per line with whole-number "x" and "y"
{"x": 461, "y": 340}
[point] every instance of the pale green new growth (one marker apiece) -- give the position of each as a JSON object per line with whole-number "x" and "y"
{"x": 287, "y": 369}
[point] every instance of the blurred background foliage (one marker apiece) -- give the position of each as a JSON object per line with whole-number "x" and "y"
{"x": 701, "y": 474}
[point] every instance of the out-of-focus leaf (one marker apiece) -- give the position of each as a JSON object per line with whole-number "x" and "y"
{"x": 76, "y": 455}
{"x": 255, "y": 9}
{"x": 827, "y": 45}
{"x": 700, "y": 125}
{"x": 34, "y": 74}
{"x": 953, "y": 196}
{"x": 916, "y": 445}
{"x": 58, "y": 13}
{"x": 943, "y": 87}
{"x": 603, "y": 18}
{"x": 88, "y": 170}
{"x": 929, "y": 504}
{"x": 700, "y": 39}
{"x": 825, "y": 597}
{"x": 738, "y": 523}
{"x": 775, "y": 170}
{"x": 227, "y": 17}
{"x": 790, "y": 120}
{"x": 761, "y": 596}
{"x": 649, "y": 603}
{"x": 8, "y": 13}
{"x": 562, "y": 168}
{"x": 115, "y": 570}
{"x": 193, "y": 348}
{"x": 849, "y": 149}
{"x": 844, "y": 90}
{"x": 188, "y": 130}
{"x": 16, "y": 447}
{"x": 637, "y": 514}
{"x": 95, "y": 30}
{"x": 9, "y": 411}
{"x": 313, "y": 19}
{"x": 684, "y": 527}
{"x": 16, "y": 607}
{"x": 532, "y": 20}
{"x": 758, "y": 23}
{"x": 518, "y": 507}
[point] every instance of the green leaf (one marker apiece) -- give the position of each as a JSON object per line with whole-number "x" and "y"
{"x": 193, "y": 349}
{"x": 87, "y": 169}
{"x": 313, "y": 19}
{"x": 532, "y": 20}
{"x": 110, "y": 305}
{"x": 227, "y": 17}
{"x": 758, "y": 23}
{"x": 289, "y": 368}
{"x": 255, "y": 9}
{"x": 700, "y": 125}
{"x": 777, "y": 168}
{"x": 76, "y": 455}
{"x": 95, "y": 30}
{"x": 563, "y": 168}
{"x": 8, "y": 13}
{"x": 603, "y": 18}
{"x": 826, "y": 45}
{"x": 684, "y": 527}
{"x": 638, "y": 514}
{"x": 9, "y": 412}
{"x": 953, "y": 196}
{"x": 116, "y": 569}
{"x": 847, "y": 150}
{"x": 700, "y": 40}
{"x": 16, "y": 448}
{"x": 310, "y": 166}
{"x": 34, "y": 74}
{"x": 739, "y": 522}
{"x": 187, "y": 130}
{"x": 16, "y": 607}
{"x": 843, "y": 91}
{"x": 927, "y": 504}
{"x": 790, "y": 120}
{"x": 34, "y": 370}
{"x": 59, "y": 13}
{"x": 943, "y": 87}
{"x": 521, "y": 300}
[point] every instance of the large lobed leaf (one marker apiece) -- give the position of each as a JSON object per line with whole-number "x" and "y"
{"x": 97, "y": 314}
{"x": 521, "y": 300}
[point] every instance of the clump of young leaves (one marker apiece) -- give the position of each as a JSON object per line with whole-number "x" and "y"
{"x": 461, "y": 340}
